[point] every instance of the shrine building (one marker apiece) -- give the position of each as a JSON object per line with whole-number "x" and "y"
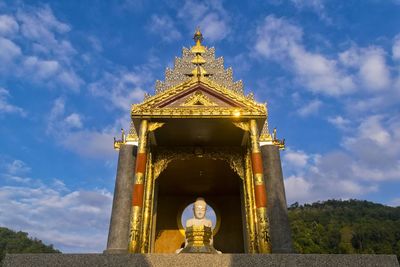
{"x": 199, "y": 135}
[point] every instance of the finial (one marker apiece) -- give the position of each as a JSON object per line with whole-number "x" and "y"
{"x": 198, "y": 48}
{"x": 198, "y": 37}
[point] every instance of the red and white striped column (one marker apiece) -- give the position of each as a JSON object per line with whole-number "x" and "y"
{"x": 138, "y": 189}
{"x": 260, "y": 192}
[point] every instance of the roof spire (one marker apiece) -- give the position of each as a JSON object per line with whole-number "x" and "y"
{"x": 198, "y": 48}
{"x": 198, "y": 37}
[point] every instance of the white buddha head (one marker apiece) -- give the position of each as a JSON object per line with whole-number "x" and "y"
{"x": 199, "y": 208}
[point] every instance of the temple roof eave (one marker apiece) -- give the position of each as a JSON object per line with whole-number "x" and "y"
{"x": 247, "y": 106}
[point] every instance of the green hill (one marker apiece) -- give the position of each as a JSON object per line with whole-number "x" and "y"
{"x": 19, "y": 242}
{"x": 352, "y": 226}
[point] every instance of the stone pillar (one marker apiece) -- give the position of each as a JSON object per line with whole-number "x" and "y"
{"x": 260, "y": 193}
{"x": 138, "y": 190}
{"x": 118, "y": 234}
{"x": 279, "y": 225}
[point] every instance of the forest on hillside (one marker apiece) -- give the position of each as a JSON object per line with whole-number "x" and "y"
{"x": 332, "y": 226}
{"x": 19, "y": 242}
{"x": 351, "y": 226}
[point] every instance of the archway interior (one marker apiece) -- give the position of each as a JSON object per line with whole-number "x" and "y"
{"x": 185, "y": 180}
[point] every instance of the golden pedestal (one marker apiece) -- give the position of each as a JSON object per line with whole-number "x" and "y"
{"x": 199, "y": 240}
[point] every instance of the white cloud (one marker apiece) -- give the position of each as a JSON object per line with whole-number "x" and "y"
{"x": 214, "y": 27}
{"x": 41, "y": 69}
{"x": 320, "y": 74}
{"x": 395, "y": 202}
{"x": 372, "y": 128}
{"x": 41, "y": 47}
{"x": 74, "y": 221}
{"x": 8, "y": 25}
{"x": 211, "y": 16}
{"x": 98, "y": 144}
{"x": 310, "y": 109}
{"x": 315, "y": 5}
{"x": 164, "y": 27}
{"x": 74, "y": 120}
{"x": 297, "y": 189}
{"x": 17, "y": 167}
{"x": 8, "y": 50}
{"x": 370, "y": 62}
{"x": 280, "y": 40}
{"x": 369, "y": 156}
{"x": 339, "y": 122}
{"x": 68, "y": 131}
{"x": 6, "y": 107}
{"x": 374, "y": 71}
{"x": 40, "y": 25}
{"x": 70, "y": 79}
{"x": 121, "y": 89}
{"x": 396, "y": 47}
{"x": 329, "y": 176}
{"x": 296, "y": 158}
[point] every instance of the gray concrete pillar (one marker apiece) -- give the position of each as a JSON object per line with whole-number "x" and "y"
{"x": 118, "y": 235}
{"x": 280, "y": 232}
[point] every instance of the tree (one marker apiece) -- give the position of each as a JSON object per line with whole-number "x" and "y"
{"x": 19, "y": 242}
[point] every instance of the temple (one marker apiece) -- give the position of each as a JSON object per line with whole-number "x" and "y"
{"x": 199, "y": 135}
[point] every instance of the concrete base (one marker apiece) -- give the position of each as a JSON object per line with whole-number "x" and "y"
{"x": 300, "y": 260}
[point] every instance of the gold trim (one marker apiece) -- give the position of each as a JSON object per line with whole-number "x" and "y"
{"x": 149, "y": 106}
{"x": 242, "y": 125}
{"x": 255, "y": 145}
{"x": 132, "y": 135}
{"x": 233, "y": 156}
{"x": 198, "y": 98}
{"x": 258, "y": 178}
{"x": 134, "y": 234}
{"x": 265, "y": 136}
{"x": 155, "y": 125}
{"x": 139, "y": 178}
{"x": 264, "y": 239}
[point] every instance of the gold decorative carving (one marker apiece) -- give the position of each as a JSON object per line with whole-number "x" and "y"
{"x": 155, "y": 125}
{"x": 255, "y": 145}
{"x": 234, "y": 156}
{"x": 132, "y": 135}
{"x": 271, "y": 139}
{"x": 242, "y": 125}
{"x": 265, "y": 136}
{"x": 263, "y": 233}
{"x": 198, "y": 98}
{"x": 118, "y": 143}
{"x": 195, "y": 56}
{"x": 134, "y": 234}
{"x": 149, "y": 107}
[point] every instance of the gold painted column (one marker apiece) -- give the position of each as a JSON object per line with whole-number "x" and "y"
{"x": 147, "y": 207}
{"x": 138, "y": 189}
{"x": 250, "y": 206}
{"x": 260, "y": 192}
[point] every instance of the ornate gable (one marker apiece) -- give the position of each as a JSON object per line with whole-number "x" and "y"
{"x": 199, "y": 86}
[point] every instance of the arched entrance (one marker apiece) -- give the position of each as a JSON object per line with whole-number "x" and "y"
{"x": 185, "y": 180}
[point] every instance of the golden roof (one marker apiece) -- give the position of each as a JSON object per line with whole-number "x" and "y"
{"x": 199, "y": 86}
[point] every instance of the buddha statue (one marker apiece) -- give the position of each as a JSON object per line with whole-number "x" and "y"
{"x": 198, "y": 233}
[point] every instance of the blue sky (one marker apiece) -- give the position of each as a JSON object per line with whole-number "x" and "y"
{"x": 69, "y": 70}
